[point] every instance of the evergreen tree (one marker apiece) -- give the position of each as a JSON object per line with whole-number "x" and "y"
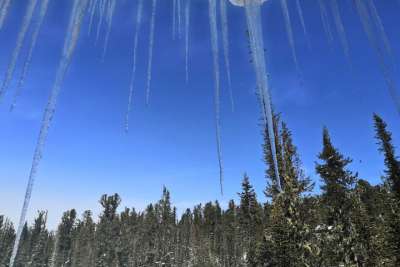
{"x": 7, "y": 236}
{"x": 63, "y": 248}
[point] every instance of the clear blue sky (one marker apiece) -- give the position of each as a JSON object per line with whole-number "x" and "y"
{"x": 172, "y": 142}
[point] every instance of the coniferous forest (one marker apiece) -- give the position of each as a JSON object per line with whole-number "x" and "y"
{"x": 350, "y": 223}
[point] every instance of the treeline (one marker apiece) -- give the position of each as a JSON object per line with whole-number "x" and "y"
{"x": 350, "y": 223}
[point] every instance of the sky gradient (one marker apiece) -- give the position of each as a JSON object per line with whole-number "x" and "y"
{"x": 172, "y": 142}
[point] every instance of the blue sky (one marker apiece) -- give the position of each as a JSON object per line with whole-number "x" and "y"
{"x": 172, "y": 142}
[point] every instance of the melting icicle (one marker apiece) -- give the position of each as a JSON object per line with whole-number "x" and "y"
{"x": 20, "y": 40}
{"x": 4, "y": 11}
{"x": 340, "y": 28}
{"x": 289, "y": 32}
{"x": 325, "y": 21}
{"x": 366, "y": 22}
{"x": 212, "y": 11}
{"x": 109, "y": 20}
{"x": 151, "y": 43}
{"x": 225, "y": 44}
{"x": 73, "y": 31}
{"x": 179, "y": 7}
{"x": 380, "y": 27}
{"x": 135, "y": 44}
{"x": 92, "y": 11}
{"x": 102, "y": 9}
{"x": 173, "y": 19}
{"x": 27, "y": 63}
{"x": 253, "y": 17}
{"x": 187, "y": 28}
{"x": 302, "y": 21}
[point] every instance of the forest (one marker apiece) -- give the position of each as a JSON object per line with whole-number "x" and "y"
{"x": 349, "y": 223}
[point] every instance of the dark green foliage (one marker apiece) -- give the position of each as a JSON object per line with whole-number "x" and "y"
{"x": 350, "y": 223}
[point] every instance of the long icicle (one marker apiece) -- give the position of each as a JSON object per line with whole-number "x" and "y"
{"x": 366, "y": 22}
{"x": 379, "y": 25}
{"x": 340, "y": 29}
{"x": 289, "y": 31}
{"x": 102, "y": 10}
{"x": 42, "y": 13}
{"x": 253, "y": 17}
{"x": 73, "y": 31}
{"x": 225, "y": 45}
{"x": 187, "y": 36}
{"x": 151, "y": 44}
{"x": 4, "y": 12}
{"x": 139, "y": 15}
{"x": 173, "y": 19}
{"x": 20, "y": 40}
{"x": 212, "y": 11}
{"x": 92, "y": 12}
{"x": 109, "y": 20}
{"x": 325, "y": 21}
{"x": 179, "y": 11}
{"x": 303, "y": 22}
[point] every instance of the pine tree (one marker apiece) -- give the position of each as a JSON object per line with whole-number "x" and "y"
{"x": 7, "y": 236}
{"x": 63, "y": 249}
{"x": 83, "y": 241}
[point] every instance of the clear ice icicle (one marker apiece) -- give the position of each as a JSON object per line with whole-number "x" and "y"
{"x": 340, "y": 29}
{"x": 102, "y": 10}
{"x": 42, "y": 13}
{"x": 366, "y": 22}
{"x": 173, "y": 19}
{"x": 187, "y": 36}
{"x": 92, "y": 11}
{"x": 75, "y": 22}
{"x": 289, "y": 32}
{"x": 212, "y": 11}
{"x": 151, "y": 44}
{"x": 302, "y": 21}
{"x": 109, "y": 20}
{"x": 20, "y": 40}
{"x": 225, "y": 45}
{"x": 253, "y": 18}
{"x": 325, "y": 21}
{"x": 179, "y": 11}
{"x": 4, "y": 11}
{"x": 139, "y": 14}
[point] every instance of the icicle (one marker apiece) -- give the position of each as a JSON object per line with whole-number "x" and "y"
{"x": 325, "y": 21}
{"x": 302, "y": 21}
{"x": 366, "y": 22}
{"x": 187, "y": 32}
{"x": 380, "y": 27}
{"x": 253, "y": 17}
{"x": 212, "y": 11}
{"x": 20, "y": 40}
{"x": 340, "y": 28}
{"x": 109, "y": 20}
{"x": 289, "y": 32}
{"x": 225, "y": 43}
{"x": 179, "y": 18}
{"x": 173, "y": 19}
{"x": 92, "y": 11}
{"x": 102, "y": 9}
{"x": 151, "y": 43}
{"x": 42, "y": 13}
{"x": 73, "y": 31}
{"x": 4, "y": 11}
{"x": 135, "y": 45}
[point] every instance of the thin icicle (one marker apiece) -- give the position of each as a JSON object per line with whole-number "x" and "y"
{"x": 92, "y": 11}
{"x": 4, "y": 11}
{"x": 225, "y": 44}
{"x": 78, "y": 11}
{"x": 253, "y": 17}
{"x": 212, "y": 11}
{"x": 366, "y": 22}
{"x": 173, "y": 19}
{"x": 340, "y": 29}
{"x": 379, "y": 25}
{"x": 102, "y": 10}
{"x": 325, "y": 21}
{"x": 20, "y": 40}
{"x": 109, "y": 20}
{"x": 179, "y": 11}
{"x": 187, "y": 33}
{"x": 139, "y": 15}
{"x": 302, "y": 21}
{"x": 289, "y": 32}
{"x": 42, "y": 13}
{"x": 151, "y": 44}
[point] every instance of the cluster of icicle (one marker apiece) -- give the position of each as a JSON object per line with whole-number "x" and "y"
{"x": 104, "y": 11}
